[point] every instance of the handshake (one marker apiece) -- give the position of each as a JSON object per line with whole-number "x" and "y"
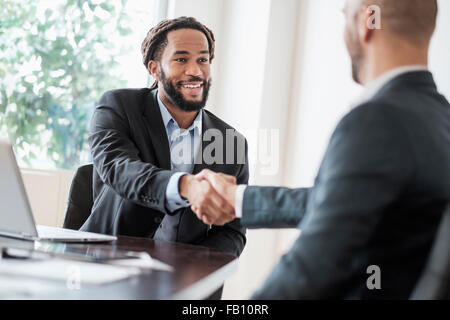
{"x": 211, "y": 196}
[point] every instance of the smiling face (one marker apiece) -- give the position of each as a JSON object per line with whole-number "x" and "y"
{"x": 183, "y": 71}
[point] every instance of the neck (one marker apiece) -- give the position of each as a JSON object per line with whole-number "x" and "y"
{"x": 384, "y": 58}
{"x": 184, "y": 119}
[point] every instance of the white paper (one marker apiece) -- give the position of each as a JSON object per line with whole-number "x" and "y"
{"x": 145, "y": 262}
{"x": 69, "y": 271}
{"x": 23, "y": 288}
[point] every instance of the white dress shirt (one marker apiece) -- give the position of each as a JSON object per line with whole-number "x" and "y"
{"x": 371, "y": 89}
{"x": 179, "y": 138}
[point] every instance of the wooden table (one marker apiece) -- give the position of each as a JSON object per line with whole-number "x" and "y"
{"x": 198, "y": 272}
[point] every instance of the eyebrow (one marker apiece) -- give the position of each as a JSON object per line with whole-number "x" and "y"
{"x": 187, "y": 52}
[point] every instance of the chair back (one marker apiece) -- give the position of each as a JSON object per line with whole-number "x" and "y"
{"x": 80, "y": 200}
{"x": 434, "y": 283}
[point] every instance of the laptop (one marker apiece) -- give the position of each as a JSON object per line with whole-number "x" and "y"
{"x": 16, "y": 218}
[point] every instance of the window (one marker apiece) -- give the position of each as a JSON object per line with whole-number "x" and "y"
{"x": 56, "y": 60}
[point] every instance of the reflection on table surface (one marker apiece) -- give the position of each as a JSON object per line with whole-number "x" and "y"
{"x": 197, "y": 271}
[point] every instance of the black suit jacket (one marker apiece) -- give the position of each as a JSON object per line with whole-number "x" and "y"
{"x": 377, "y": 200}
{"x": 131, "y": 156}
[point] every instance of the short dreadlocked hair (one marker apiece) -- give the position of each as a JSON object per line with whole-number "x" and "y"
{"x": 156, "y": 39}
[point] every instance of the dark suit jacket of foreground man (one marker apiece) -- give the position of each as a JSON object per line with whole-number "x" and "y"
{"x": 131, "y": 155}
{"x": 377, "y": 200}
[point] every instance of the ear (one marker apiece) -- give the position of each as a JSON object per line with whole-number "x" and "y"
{"x": 367, "y": 23}
{"x": 153, "y": 68}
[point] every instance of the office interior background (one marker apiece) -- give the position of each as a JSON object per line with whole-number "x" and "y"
{"x": 279, "y": 65}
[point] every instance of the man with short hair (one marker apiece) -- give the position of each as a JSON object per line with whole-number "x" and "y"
{"x": 369, "y": 221}
{"x": 146, "y": 144}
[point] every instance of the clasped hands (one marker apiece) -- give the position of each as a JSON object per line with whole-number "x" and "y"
{"x": 211, "y": 196}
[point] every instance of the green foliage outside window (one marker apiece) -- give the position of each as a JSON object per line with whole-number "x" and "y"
{"x": 56, "y": 59}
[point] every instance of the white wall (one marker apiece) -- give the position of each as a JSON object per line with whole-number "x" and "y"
{"x": 440, "y": 49}
{"x": 322, "y": 88}
{"x": 47, "y": 191}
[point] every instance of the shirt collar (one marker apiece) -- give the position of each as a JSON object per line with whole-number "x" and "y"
{"x": 372, "y": 88}
{"x": 168, "y": 120}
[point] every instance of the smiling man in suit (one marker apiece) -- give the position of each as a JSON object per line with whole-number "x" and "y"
{"x": 146, "y": 144}
{"x": 384, "y": 181}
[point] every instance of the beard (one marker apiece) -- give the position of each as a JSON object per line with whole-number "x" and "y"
{"x": 356, "y": 56}
{"x": 176, "y": 97}
{"x": 355, "y": 71}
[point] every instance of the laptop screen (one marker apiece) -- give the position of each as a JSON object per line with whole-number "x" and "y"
{"x": 15, "y": 212}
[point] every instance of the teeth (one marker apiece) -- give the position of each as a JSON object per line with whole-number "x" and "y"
{"x": 192, "y": 86}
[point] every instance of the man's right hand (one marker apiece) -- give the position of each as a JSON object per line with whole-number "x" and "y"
{"x": 209, "y": 205}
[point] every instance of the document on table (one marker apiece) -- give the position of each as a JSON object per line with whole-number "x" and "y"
{"x": 143, "y": 261}
{"x": 133, "y": 259}
{"x": 67, "y": 270}
{"x": 13, "y": 288}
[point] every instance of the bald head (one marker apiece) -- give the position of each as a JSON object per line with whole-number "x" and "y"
{"x": 411, "y": 20}
{"x": 384, "y": 34}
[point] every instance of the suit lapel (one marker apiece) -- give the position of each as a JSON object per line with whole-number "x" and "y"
{"x": 157, "y": 131}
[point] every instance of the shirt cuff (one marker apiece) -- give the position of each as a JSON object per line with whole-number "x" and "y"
{"x": 173, "y": 198}
{"x": 239, "y": 199}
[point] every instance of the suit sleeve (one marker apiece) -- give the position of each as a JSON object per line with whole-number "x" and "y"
{"x": 116, "y": 157}
{"x": 272, "y": 207}
{"x": 230, "y": 237}
{"x": 366, "y": 166}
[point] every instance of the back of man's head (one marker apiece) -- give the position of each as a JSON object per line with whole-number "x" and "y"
{"x": 413, "y": 21}
{"x": 383, "y": 34}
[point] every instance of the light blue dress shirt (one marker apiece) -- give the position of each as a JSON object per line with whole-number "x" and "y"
{"x": 183, "y": 144}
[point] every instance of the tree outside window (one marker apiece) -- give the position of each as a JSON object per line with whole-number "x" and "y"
{"x": 56, "y": 59}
